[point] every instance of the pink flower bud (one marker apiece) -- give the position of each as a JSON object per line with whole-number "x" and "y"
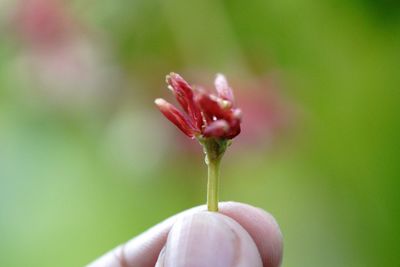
{"x": 204, "y": 114}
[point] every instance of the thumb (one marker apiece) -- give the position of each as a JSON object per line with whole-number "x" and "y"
{"x": 205, "y": 239}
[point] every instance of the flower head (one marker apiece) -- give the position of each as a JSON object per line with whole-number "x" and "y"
{"x": 204, "y": 115}
{"x": 212, "y": 119}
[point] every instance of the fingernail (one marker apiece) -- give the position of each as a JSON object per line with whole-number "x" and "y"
{"x": 208, "y": 239}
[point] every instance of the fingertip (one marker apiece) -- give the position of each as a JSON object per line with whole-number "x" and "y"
{"x": 261, "y": 226}
{"x": 209, "y": 239}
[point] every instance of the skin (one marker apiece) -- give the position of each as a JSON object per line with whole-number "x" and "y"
{"x": 195, "y": 237}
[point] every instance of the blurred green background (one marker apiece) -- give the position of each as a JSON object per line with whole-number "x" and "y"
{"x": 87, "y": 162}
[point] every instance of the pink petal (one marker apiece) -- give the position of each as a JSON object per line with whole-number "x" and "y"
{"x": 223, "y": 89}
{"x": 181, "y": 89}
{"x": 237, "y": 114}
{"x": 234, "y": 123}
{"x": 211, "y": 108}
{"x": 176, "y": 117}
{"x": 217, "y": 128}
{"x": 184, "y": 94}
{"x": 234, "y": 129}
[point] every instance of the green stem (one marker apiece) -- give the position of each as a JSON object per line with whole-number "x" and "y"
{"x": 214, "y": 150}
{"x": 213, "y": 184}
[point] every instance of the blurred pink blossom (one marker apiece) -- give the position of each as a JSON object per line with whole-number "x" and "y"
{"x": 43, "y": 23}
{"x": 63, "y": 62}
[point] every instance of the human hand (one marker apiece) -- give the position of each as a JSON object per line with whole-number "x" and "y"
{"x": 239, "y": 235}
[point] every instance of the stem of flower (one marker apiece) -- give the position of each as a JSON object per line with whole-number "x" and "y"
{"x": 213, "y": 184}
{"x": 214, "y": 150}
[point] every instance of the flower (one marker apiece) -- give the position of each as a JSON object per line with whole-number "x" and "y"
{"x": 212, "y": 119}
{"x": 60, "y": 58}
{"x": 43, "y": 22}
{"x": 204, "y": 115}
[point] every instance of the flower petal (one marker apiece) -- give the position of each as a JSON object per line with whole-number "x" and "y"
{"x": 184, "y": 94}
{"x": 181, "y": 89}
{"x": 217, "y": 129}
{"x": 176, "y": 117}
{"x": 234, "y": 129}
{"x": 211, "y": 107}
{"x": 223, "y": 89}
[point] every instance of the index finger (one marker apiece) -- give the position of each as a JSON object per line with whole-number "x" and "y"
{"x": 143, "y": 250}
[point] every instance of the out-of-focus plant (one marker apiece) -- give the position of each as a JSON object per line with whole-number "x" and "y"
{"x": 59, "y": 55}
